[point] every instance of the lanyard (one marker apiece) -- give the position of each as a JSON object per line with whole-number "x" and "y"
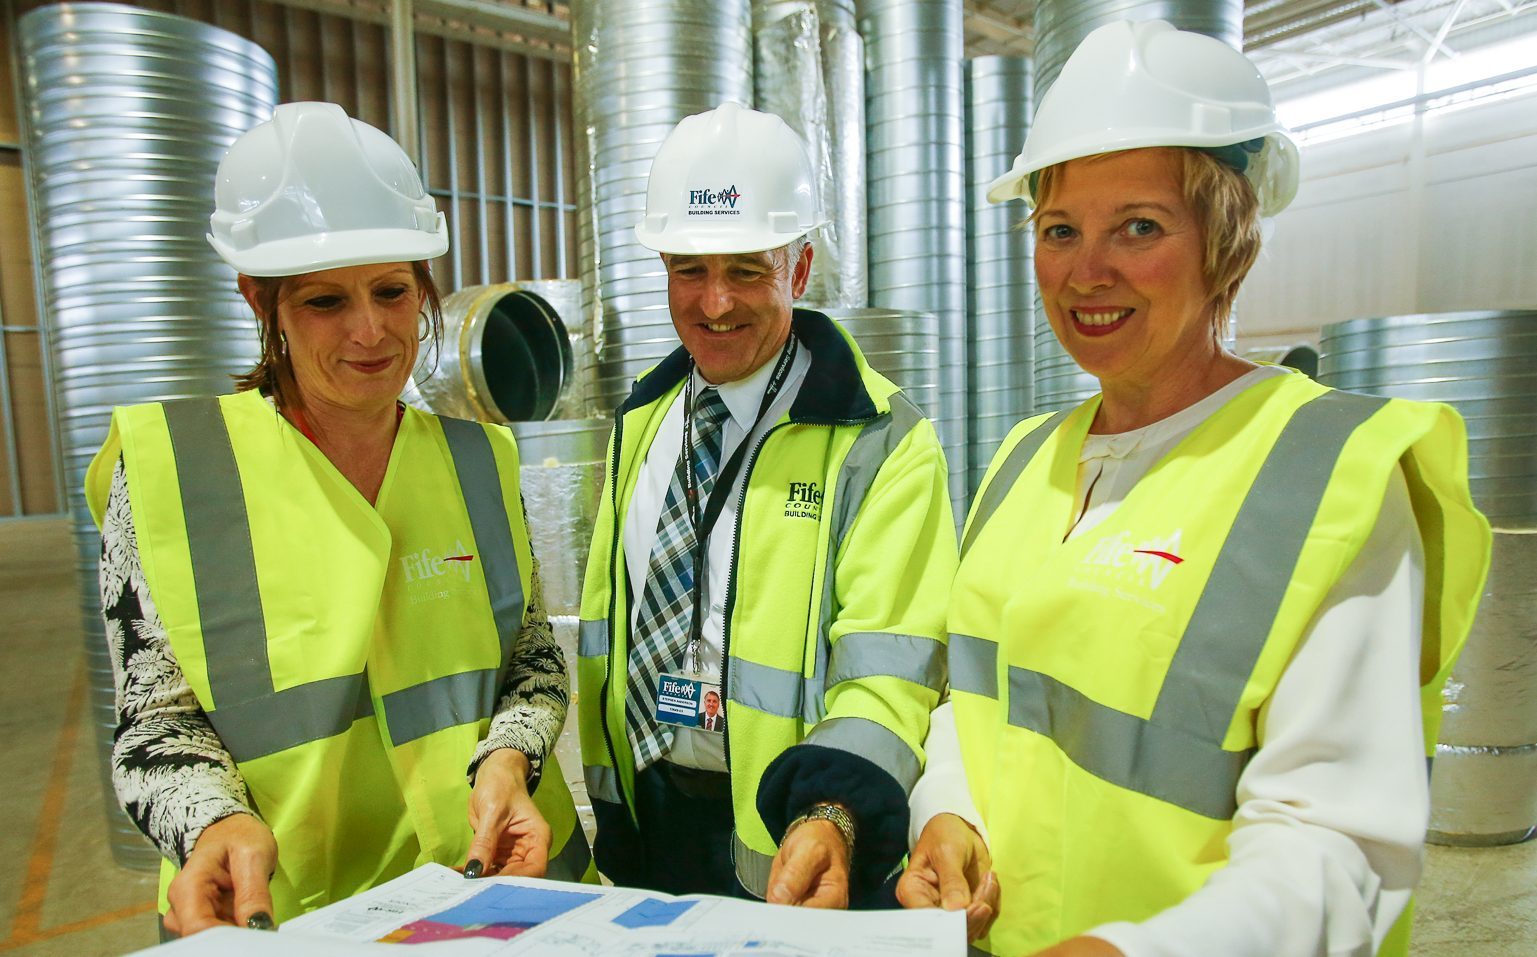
{"x": 704, "y": 523}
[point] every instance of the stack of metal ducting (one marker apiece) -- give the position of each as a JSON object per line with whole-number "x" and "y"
{"x": 809, "y": 69}
{"x": 561, "y": 479}
{"x": 1000, "y": 284}
{"x": 640, "y": 66}
{"x": 902, "y": 346}
{"x": 121, "y": 159}
{"x": 914, "y": 96}
{"x": 1484, "y": 787}
{"x": 1060, "y": 25}
{"x": 509, "y": 355}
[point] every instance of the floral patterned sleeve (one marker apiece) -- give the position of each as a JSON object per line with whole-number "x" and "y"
{"x": 531, "y": 709}
{"x": 169, "y": 768}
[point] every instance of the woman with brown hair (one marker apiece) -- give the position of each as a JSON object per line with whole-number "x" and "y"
{"x": 332, "y": 660}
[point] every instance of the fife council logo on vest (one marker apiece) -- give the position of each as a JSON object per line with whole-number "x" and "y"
{"x": 714, "y": 202}
{"x": 804, "y": 501}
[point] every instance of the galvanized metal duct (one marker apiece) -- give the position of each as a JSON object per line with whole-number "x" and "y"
{"x": 1301, "y": 356}
{"x": 902, "y": 346}
{"x": 1484, "y": 789}
{"x": 125, "y": 115}
{"x": 509, "y": 356}
{"x": 809, "y": 69}
{"x": 640, "y": 66}
{"x": 1000, "y": 288}
{"x": 914, "y": 106}
{"x": 1060, "y": 25}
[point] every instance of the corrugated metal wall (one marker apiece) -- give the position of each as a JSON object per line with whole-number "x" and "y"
{"x": 495, "y": 130}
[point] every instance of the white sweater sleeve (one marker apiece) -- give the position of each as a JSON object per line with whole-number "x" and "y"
{"x": 1329, "y": 835}
{"x": 943, "y": 787}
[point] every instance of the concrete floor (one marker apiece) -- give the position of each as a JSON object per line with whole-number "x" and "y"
{"x": 61, "y": 894}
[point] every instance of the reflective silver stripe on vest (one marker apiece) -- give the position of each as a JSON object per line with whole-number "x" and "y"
{"x": 291, "y": 717}
{"x": 592, "y": 639}
{"x": 752, "y": 868}
{"x": 219, "y": 543}
{"x": 867, "y": 654}
{"x": 602, "y": 783}
{"x": 251, "y": 718}
{"x": 1177, "y": 755}
{"x": 771, "y": 690}
{"x": 871, "y": 741}
{"x": 870, "y": 450}
{"x": 973, "y": 665}
{"x": 1003, "y": 480}
{"x": 481, "y": 486}
{"x": 446, "y": 702}
{"x": 1252, "y": 572}
{"x": 572, "y": 861}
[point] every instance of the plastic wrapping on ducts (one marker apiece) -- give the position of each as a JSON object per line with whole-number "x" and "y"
{"x": 639, "y": 67}
{"x": 902, "y": 346}
{"x": 139, "y": 308}
{"x": 1060, "y": 25}
{"x": 1484, "y": 363}
{"x": 1000, "y": 288}
{"x": 914, "y": 92}
{"x": 561, "y": 480}
{"x": 509, "y": 355}
{"x": 809, "y": 70}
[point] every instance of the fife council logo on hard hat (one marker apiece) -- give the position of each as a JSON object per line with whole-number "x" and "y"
{"x": 714, "y": 202}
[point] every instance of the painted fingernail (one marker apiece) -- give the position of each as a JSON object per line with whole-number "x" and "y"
{"x": 260, "y": 920}
{"x": 472, "y": 869}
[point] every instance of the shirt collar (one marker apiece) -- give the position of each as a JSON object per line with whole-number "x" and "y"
{"x": 744, "y": 396}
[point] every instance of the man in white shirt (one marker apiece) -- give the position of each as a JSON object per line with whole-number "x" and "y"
{"x": 773, "y": 536}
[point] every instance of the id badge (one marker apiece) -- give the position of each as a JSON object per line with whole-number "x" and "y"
{"x": 689, "y": 701}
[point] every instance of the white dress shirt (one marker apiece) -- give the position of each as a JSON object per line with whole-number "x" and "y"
{"x": 691, "y": 747}
{"x": 1329, "y": 834}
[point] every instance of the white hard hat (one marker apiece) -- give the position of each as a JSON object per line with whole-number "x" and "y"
{"x": 1133, "y": 85}
{"x": 313, "y": 189}
{"x": 731, "y": 180}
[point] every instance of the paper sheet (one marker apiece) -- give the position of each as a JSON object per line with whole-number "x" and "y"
{"x": 435, "y": 908}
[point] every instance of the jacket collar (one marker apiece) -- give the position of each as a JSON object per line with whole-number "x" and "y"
{"x": 834, "y": 388}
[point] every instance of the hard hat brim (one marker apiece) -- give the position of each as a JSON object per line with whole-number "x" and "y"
{"x": 715, "y": 242}
{"x": 359, "y": 247}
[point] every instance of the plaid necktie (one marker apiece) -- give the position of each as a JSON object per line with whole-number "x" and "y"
{"x": 666, "y": 606}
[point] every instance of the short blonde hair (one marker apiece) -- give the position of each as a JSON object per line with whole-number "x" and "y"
{"x": 1226, "y": 210}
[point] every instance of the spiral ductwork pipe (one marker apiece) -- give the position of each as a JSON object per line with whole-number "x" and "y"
{"x": 1000, "y": 272}
{"x": 914, "y": 106}
{"x": 508, "y": 354}
{"x": 809, "y": 70}
{"x": 902, "y": 346}
{"x": 125, "y": 116}
{"x": 1484, "y": 789}
{"x": 640, "y": 66}
{"x": 1060, "y": 25}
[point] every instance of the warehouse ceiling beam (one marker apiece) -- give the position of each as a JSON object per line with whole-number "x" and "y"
{"x": 1437, "y": 44}
{"x": 1406, "y": 23}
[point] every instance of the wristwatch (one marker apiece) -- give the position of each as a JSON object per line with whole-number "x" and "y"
{"x": 833, "y": 813}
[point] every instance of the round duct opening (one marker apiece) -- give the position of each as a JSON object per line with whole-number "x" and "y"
{"x": 523, "y": 356}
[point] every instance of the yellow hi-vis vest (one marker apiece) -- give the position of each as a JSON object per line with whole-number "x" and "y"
{"x": 1108, "y": 696}
{"x": 835, "y": 603}
{"x": 349, "y": 656}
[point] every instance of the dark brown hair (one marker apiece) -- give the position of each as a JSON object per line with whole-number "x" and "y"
{"x": 1227, "y": 212}
{"x": 273, "y": 375}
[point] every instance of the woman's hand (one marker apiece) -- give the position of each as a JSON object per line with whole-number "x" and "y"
{"x": 511, "y": 836}
{"x": 952, "y": 868}
{"x": 1081, "y": 947}
{"x": 225, "y": 879}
